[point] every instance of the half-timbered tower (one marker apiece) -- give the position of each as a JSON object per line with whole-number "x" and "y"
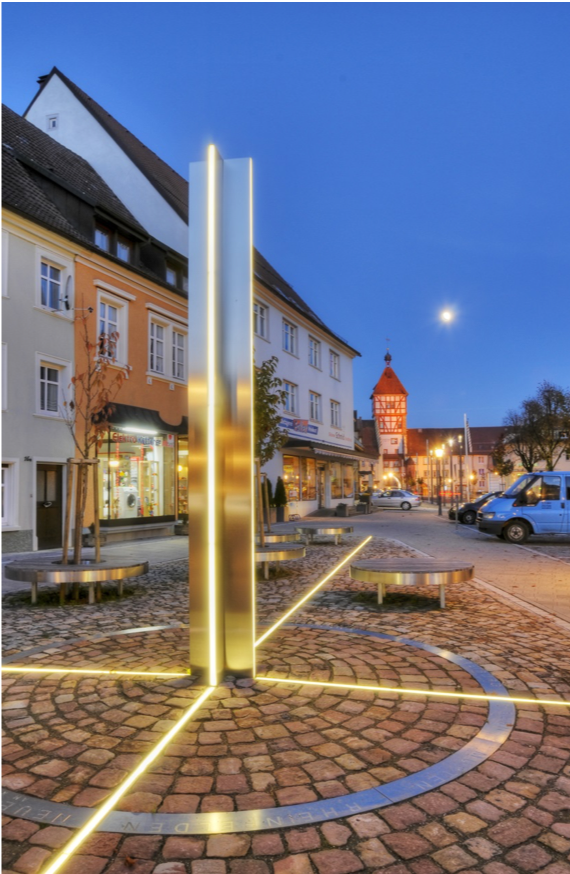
{"x": 389, "y": 408}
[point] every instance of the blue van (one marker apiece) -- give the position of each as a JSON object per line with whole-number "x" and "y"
{"x": 537, "y": 503}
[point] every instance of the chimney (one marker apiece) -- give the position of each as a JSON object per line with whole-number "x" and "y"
{"x": 43, "y": 79}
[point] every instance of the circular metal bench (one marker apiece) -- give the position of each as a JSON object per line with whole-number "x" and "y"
{"x": 90, "y": 573}
{"x": 278, "y": 552}
{"x": 277, "y": 538}
{"x": 411, "y": 572}
{"x": 337, "y": 530}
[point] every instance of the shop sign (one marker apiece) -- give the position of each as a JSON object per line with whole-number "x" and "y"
{"x": 117, "y": 437}
{"x": 338, "y": 435}
{"x": 301, "y": 426}
{"x": 169, "y": 440}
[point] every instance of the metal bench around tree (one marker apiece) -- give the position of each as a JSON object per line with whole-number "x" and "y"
{"x": 337, "y": 530}
{"x": 278, "y": 552}
{"x": 89, "y": 573}
{"x": 411, "y": 572}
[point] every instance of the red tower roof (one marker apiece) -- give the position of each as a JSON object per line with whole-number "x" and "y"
{"x": 389, "y": 384}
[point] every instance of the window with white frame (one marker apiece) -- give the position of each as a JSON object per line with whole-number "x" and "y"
{"x": 260, "y": 320}
{"x": 314, "y": 353}
{"x": 290, "y": 390}
{"x": 156, "y": 360}
{"x": 112, "y": 326}
{"x": 167, "y": 348}
{"x": 178, "y": 355}
{"x": 108, "y": 329}
{"x": 335, "y": 414}
{"x": 315, "y": 406}
{"x": 334, "y": 364}
{"x": 53, "y": 377}
{"x": 51, "y": 294}
{"x": 5, "y": 247}
{"x": 9, "y": 494}
{"x": 53, "y": 280}
{"x": 4, "y": 376}
{"x": 289, "y": 337}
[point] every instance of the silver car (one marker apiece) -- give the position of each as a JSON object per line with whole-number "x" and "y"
{"x": 399, "y": 499}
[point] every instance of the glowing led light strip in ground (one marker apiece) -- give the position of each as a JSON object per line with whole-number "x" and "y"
{"x": 110, "y": 803}
{"x": 433, "y": 692}
{"x": 211, "y": 413}
{"x": 22, "y": 669}
{"x": 311, "y": 593}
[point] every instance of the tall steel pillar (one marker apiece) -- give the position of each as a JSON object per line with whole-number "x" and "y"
{"x": 220, "y": 418}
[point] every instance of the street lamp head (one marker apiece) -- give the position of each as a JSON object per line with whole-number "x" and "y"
{"x": 439, "y": 452}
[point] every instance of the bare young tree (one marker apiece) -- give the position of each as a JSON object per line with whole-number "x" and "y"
{"x": 540, "y": 429}
{"x": 97, "y": 380}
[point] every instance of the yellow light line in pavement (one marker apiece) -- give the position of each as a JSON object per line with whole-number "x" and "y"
{"x": 311, "y": 593}
{"x": 32, "y": 669}
{"x": 399, "y": 691}
{"x": 110, "y": 803}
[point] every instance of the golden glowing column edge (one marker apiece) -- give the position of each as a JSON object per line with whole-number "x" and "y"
{"x": 220, "y": 431}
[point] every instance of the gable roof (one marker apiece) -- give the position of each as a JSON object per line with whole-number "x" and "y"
{"x": 483, "y": 439}
{"x": 366, "y": 429}
{"x": 174, "y": 189}
{"x": 389, "y": 384}
{"x": 27, "y": 151}
{"x": 273, "y": 281}
{"x": 169, "y": 184}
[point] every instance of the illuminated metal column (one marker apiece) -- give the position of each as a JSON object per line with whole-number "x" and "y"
{"x": 220, "y": 418}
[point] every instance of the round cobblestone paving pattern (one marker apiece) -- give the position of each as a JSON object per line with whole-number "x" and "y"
{"x": 254, "y": 746}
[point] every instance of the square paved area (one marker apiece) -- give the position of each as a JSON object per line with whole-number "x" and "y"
{"x": 257, "y": 745}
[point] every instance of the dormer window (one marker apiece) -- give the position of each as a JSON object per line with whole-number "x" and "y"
{"x": 124, "y": 249}
{"x": 170, "y": 274}
{"x": 103, "y": 238}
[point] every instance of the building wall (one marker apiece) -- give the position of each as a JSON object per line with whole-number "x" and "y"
{"x": 30, "y": 333}
{"x": 79, "y": 131}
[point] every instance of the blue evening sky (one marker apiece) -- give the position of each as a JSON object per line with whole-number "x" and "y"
{"x": 407, "y": 158}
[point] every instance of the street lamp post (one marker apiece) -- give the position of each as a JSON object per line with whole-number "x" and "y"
{"x": 439, "y": 453}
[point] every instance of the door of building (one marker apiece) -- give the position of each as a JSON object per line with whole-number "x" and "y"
{"x": 49, "y": 506}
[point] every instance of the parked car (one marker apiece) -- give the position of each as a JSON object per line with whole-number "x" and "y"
{"x": 399, "y": 499}
{"x": 467, "y": 513}
{"x": 537, "y": 503}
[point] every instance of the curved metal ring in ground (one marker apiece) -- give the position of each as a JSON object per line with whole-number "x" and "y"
{"x": 57, "y": 573}
{"x": 487, "y": 741}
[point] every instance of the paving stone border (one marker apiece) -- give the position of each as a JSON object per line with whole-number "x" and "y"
{"x": 487, "y": 741}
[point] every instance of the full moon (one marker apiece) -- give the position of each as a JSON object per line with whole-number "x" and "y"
{"x": 446, "y": 316}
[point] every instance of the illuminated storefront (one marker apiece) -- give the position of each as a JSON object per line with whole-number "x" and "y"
{"x": 140, "y": 480}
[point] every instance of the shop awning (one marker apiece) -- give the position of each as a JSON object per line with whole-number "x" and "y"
{"x": 327, "y": 451}
{"x": 123, "y": 415}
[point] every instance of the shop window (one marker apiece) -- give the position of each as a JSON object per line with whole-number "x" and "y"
{"x": 182, "y": 476}
{"x": 314, "y": 353}
{"x": 291, "y": 475}
{"x": 347, "y": 481}
{"x": 308, "y": 479}
{"x": 260, "y": 320}
{"x": 335, "y": 480}
{"x": 137, "y": 478}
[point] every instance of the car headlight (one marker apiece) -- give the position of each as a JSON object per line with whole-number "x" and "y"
{"x": 487, "y": 515}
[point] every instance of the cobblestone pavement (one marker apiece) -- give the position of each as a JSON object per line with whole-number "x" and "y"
{"x": 260, "y": 745}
